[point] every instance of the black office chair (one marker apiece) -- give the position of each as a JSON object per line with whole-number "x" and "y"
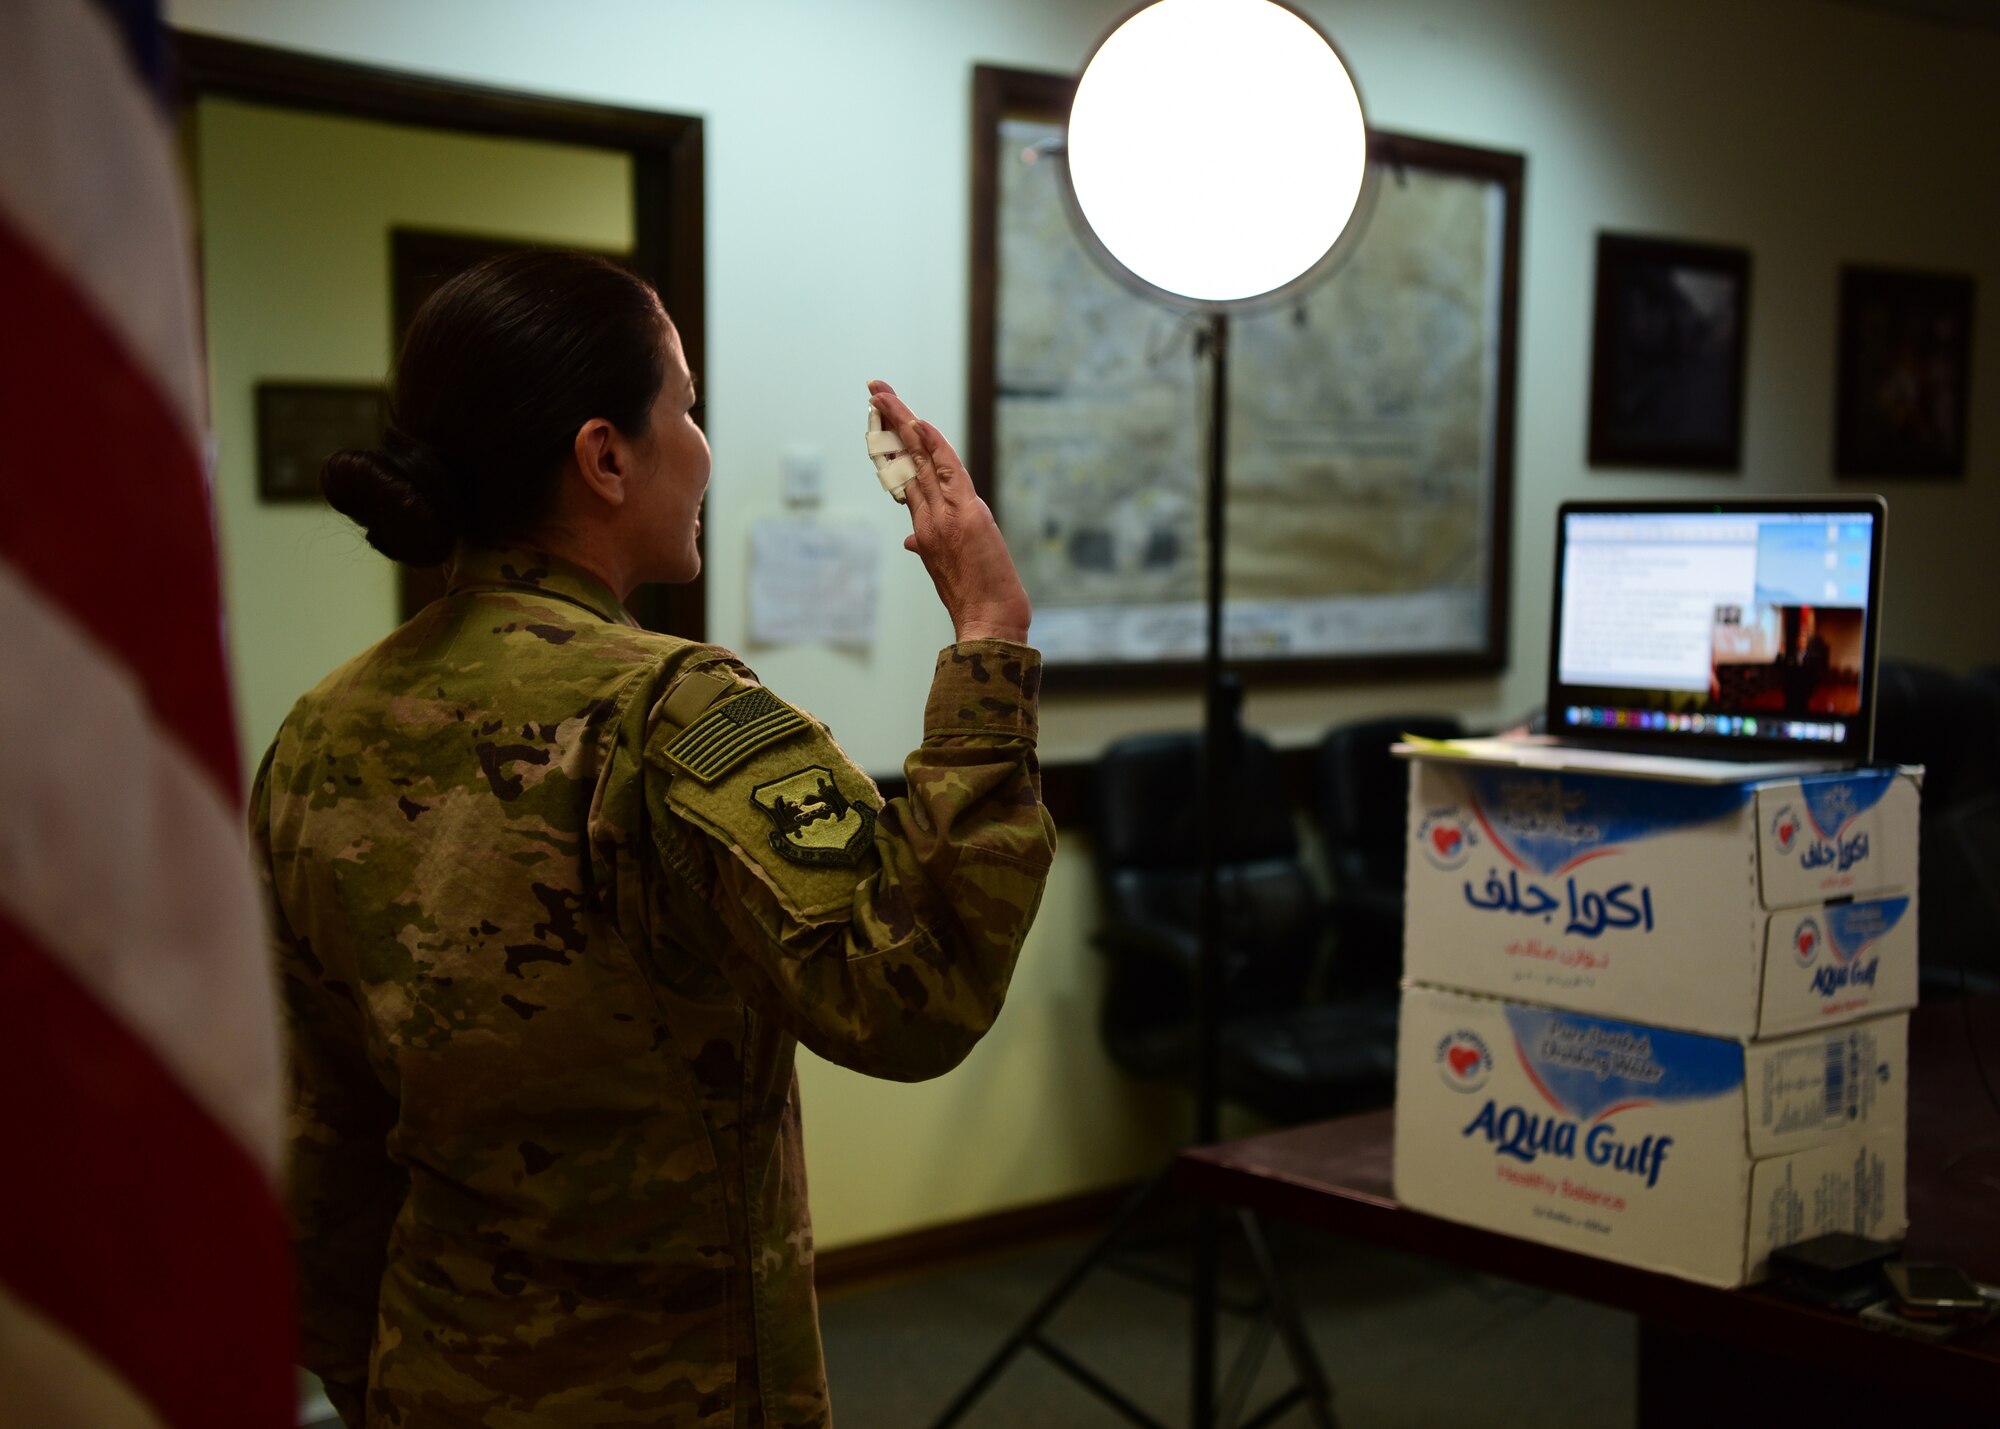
{"x": 1986, "y": 679}
{"x": 1361, "y": 799}
{"x": 1951, "y": 726}
{"x": 1283, "y": 1055}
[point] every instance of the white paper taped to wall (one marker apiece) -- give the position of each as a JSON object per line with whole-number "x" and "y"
{"x": 814, "y": 582}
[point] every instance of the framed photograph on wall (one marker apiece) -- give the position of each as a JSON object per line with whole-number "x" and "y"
{"x": 1904, "y": 373}
{"x": 1667, "y": 354}
{"x": 1371, "y": 426}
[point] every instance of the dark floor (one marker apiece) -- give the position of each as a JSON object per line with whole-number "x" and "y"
{"x": 1405, "y": 1342}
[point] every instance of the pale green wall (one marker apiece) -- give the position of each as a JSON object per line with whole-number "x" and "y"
{"x": 295, "y": 213}
{"x": 1811, "y": 132}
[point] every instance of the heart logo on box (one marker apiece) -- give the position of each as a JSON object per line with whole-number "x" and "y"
{"x": 1805, "y": 942}
{"x": 1444, "y": 839}
{"x": 1464, "y": 1061}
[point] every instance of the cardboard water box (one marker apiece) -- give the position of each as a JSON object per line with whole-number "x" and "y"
{"x": 1741, "y": 909}
{"x": 1676, "y": 1152}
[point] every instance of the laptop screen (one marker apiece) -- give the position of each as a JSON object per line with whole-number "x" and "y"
{"x": 1725, "y": 627}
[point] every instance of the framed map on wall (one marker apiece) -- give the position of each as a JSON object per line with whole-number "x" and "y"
{"x": 1370, "y": 423}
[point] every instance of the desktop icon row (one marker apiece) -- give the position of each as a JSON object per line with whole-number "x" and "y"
{"x": 1687, "y": 722}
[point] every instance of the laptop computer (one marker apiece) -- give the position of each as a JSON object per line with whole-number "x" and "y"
{"x": 1741, "y": 630}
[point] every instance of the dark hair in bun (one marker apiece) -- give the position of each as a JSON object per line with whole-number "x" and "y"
{"x": 401, "y": 496}
{"x": 500, "y": 368}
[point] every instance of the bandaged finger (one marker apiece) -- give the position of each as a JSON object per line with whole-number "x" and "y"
{"x": 894, "y": 467}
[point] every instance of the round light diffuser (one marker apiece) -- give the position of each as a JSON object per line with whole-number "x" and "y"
{"x": 1216, "y": 148}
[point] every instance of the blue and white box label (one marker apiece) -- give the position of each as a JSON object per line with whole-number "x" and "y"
{"x": 1834, "y": 962}
{"x": 1612, "y": 894}
{"x": 1840, "y": 836}
{"x": 1640, "y": 1144}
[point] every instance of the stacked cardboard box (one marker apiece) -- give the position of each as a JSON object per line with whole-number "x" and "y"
{"x": 1660, "y": 1021}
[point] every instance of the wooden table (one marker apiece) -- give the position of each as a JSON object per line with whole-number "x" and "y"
{"x": 1765, "y": 1353}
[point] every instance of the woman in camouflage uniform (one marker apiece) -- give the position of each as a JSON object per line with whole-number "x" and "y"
{"x": 555, "y": 897}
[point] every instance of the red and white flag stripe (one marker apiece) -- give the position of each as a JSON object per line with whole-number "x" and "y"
{"x": 143, "y": 1256}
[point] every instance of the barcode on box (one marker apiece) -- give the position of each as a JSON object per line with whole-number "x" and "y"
{"x": 1836, "y": 1079}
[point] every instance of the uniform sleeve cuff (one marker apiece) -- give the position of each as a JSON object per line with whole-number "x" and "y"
{"x": 985, "y": 687}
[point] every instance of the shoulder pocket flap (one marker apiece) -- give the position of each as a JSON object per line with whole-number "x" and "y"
{"x": 798, "y": 814}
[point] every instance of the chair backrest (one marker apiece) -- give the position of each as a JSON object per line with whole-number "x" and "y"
{"x": 1270, "y": 924}
{"x": 1948, "y": 724}
{"x": 1145, "y": 821}
{"x": 1361, "y": 794}
{"x": 1146, "y": 804}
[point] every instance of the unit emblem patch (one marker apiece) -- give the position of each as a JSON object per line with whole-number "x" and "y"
{"x": 816, "y": 823}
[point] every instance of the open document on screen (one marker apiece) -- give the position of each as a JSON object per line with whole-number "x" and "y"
{"x": 1758, "y": 617}
{"x": 1640, "y": 596}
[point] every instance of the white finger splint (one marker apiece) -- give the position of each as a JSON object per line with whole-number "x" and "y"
{"x": 893, "y": 465}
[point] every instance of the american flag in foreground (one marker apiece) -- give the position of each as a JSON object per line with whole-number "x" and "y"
{"x": 144, "y": 1272}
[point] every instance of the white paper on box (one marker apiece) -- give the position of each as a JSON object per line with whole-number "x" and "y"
{"x": 1852, "y": 1186}
{"x": 1645, "y": 1145}
{"x": 1803, "y": 1091}
{"x": 1618, "y": 895}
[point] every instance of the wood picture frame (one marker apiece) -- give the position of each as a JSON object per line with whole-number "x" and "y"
{"x": 1904, "y": 384}
{"x": 1670, "y": 337}
{"x": 1457, "y": 627}
{"x": 298, "y": 423}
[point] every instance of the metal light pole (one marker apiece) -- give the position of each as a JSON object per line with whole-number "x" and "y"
{"x": 1215, "y": 160}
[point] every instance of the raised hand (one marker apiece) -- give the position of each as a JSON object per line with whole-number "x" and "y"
{"x": 954, "y": 532}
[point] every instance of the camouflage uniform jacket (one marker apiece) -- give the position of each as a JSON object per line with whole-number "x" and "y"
{"x": 554, "y": 899}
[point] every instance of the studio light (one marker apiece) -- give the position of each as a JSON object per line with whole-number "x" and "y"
{"x": 1216, "y": 149}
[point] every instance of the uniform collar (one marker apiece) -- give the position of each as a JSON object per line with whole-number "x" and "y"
{"x": 529, "y": 571}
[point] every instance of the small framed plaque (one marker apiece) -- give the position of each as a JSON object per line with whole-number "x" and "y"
{"x": 298, "y": 423}
{"x": 1905, "y": 373}
{"x": 1668, "y": 356}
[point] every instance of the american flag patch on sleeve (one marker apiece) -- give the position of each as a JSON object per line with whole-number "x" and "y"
{"x": 731, "y": 732}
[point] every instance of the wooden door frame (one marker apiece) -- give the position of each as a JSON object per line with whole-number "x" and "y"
{"x": 667, "y": 179}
